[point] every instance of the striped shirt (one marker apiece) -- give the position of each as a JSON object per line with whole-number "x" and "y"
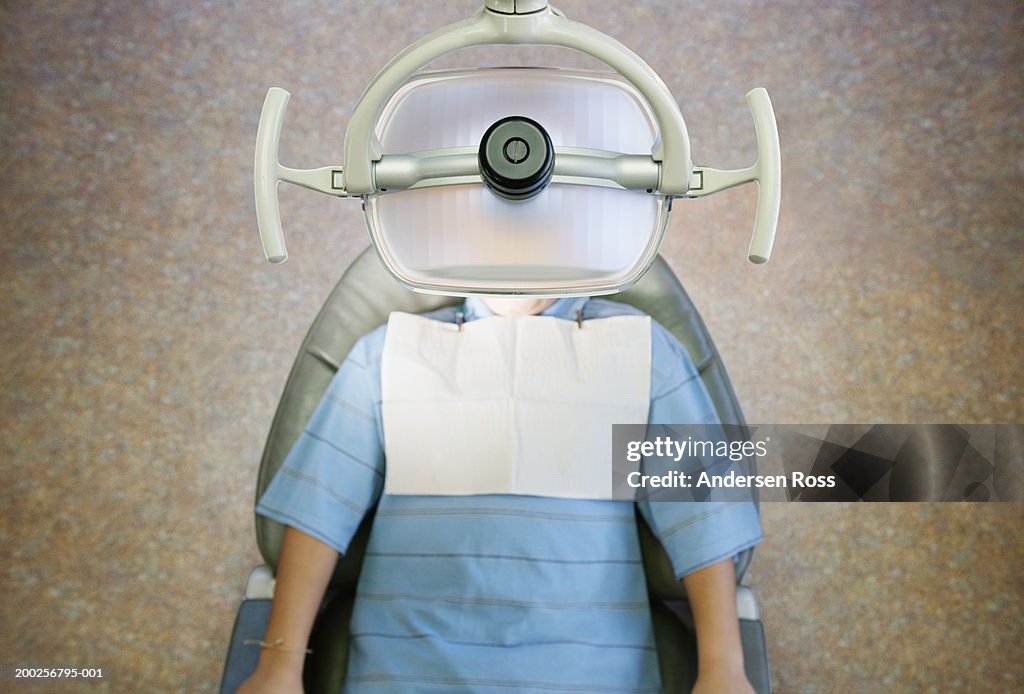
{"x": 496, "y": 593}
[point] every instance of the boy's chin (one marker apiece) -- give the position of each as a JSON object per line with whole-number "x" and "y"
{"x": 515, "y": 306}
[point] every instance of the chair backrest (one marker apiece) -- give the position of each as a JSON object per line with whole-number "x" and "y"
{"x": 362, "y": 300}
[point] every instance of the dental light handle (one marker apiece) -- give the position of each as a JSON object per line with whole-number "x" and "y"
{"x": 769, "y": 176}
{"x": 268, "y": 172}
{"x": 767, "y": 171}
{"x": 266, "y": 175}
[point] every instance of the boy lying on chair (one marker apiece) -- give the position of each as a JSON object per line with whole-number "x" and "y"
{"x": 476, "y": 579}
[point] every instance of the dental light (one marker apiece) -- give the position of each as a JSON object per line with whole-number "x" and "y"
{"x": 520, "y": 181}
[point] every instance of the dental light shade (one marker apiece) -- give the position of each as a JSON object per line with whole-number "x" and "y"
{"x": 466, "y": 238}
{"x": 621, "y": 155}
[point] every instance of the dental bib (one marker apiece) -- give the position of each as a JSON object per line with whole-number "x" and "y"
{"x": 505, "y": 405}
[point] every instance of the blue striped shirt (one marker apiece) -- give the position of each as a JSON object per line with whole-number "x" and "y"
{"x": 496, "y": 593}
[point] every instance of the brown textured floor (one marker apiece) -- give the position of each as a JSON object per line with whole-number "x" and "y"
{"x": 144, "y": 342}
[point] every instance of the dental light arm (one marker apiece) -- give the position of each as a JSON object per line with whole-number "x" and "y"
{"x": 667, "y": 171}
{"x": 537, "y": 28}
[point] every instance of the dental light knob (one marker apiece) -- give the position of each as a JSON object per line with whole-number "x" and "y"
{"x": 516, "y": 158}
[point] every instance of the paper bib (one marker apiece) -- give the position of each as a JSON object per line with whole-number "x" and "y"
{"x": 505, "y": 405}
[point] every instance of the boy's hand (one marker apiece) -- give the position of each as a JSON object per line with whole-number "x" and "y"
{"x": 722, "y": 678}
{"x": 268, "y": 679}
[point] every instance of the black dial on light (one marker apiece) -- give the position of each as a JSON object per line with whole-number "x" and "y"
{"x": 516, "y": 158}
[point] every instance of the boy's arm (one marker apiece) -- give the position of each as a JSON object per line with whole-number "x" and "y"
{"x": 303, "y": 572}
{"x": 712, "y": 593}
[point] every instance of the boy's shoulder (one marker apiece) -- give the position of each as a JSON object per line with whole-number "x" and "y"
{"x": 605, "y": 308}
{"x": 670, "y": 361}
{"x": 371, "y": 345}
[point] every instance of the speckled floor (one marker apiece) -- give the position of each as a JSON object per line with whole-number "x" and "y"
{"x": 144, "y": 342}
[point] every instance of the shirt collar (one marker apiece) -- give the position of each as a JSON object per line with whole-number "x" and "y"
{"x": 562, "y": 308}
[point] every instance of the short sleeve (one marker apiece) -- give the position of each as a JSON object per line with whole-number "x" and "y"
{"x": 335, "y": 471}
{"x": 694, "y": 534}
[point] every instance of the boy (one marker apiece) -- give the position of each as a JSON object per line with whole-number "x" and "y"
{"x": 494, "y": 592}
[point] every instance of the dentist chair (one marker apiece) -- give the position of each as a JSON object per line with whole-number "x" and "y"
{"x": 503, "y": 182}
